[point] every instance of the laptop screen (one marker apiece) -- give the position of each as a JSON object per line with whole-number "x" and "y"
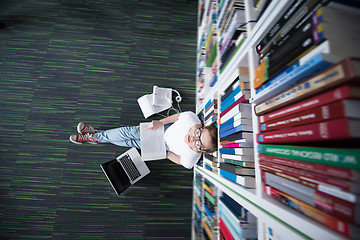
{"x": 116, "y": 175}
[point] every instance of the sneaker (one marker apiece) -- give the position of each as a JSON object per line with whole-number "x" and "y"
{"x": 82, "y": 128}
{"x": 79, "y": 139}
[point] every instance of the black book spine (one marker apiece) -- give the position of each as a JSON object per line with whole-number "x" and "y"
{"x": 294, "y": 47}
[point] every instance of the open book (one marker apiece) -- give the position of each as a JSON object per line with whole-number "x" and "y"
{"x": 156, "y": 102}
{"x": 152, "y": 143}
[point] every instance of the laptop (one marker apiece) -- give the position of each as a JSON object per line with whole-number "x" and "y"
{"x": 152, "y": 143}
{"x": 125, "y": 170}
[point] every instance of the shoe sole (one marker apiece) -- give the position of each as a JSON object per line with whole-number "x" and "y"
{"x": 78, "y": 127}
{"x": 73, "y": 141}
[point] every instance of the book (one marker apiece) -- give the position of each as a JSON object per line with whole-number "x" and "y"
{"x": 223, "y": 133}
{"x": 224, "y": 230}
{"x": 227, "y": 106}
{"x": 240, "y": 163}
{"x": 344, "y": 173}
{"x": 239, "y": 42}
{"x": 233, "y": 205}
{"x": 308, "y": 65}
{"x": 240, "y": 141}
{"x": 242, "y": 110}
{"x": 312, "y": 195}
{"x": 331, "y": 22}
{"x": 238, "y": 151}
{"x": 244, "y": 158}
{"x": 316, "y": 178}
{"x": 302, "y": 188}
{"x": 246, "y": 181}
{"x": 245, "y": 135}
{"x": 294, "y": 13}
{"x": 236, "y": 219}
{"x": 237, "y": 229}
{"x": 328, "y": 220}
{"x": 158, "y": 101}
{"x": 341, "y": 92}
{"x": 323, "y": 131}
{"x": 296, "y": 43}
{"x": 344, "y": 108}
{"x": 241, "y": 213}
{"x": 232, "y": 122}
{"x": 236, "y": 169}
{"x": 237, "y": 145}
{"x": 340, "y": 157}
{"x": 346, "y": 70}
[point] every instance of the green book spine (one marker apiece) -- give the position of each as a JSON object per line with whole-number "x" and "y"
{"x": 239, "y": 163}
{"x": 232, "y": 55}
{"x": 210, "y": 198}
{"x": 346, "y": 158}
{"x": 212, "y": 56}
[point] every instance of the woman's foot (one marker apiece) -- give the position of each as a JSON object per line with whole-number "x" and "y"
{"x": 80, "y": 139}
{"x": 82, "y": 128}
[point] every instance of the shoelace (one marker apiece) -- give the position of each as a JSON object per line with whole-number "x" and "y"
{"x": 88, "y": 129}
{"x": 86, "y": 137}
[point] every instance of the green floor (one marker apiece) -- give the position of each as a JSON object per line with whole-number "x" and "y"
{"x": 65, "y": 61}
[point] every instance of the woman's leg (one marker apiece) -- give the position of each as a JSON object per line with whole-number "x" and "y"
{"x": 122, "y": 136}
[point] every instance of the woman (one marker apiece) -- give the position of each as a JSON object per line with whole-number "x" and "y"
{"x": 185, "y": 138}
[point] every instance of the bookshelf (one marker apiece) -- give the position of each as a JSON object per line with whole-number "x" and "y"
{"x": 274, "y": 219}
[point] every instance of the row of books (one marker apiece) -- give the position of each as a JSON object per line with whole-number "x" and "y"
{"x": 236, "y": 132}
{"x": 197, "y": 207}
{"x": 310, "y": 36}
{"x": 235, "y": 222}
{"x": 207, "y": 48}
{"x": 210, "y": 222}
{"x": 308, "y": 104}
{"x": 231, "y": 29}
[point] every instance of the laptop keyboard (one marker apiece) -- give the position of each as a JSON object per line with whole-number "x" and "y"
{"x": 130, "y": 167}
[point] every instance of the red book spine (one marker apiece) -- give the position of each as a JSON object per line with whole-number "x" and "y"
{"x": 318, "y": 114}
{"x": 240, "y": 100}
{"x": 224, "y": 230}
{"x": 333, "y": 95}
{"x": 312, "y": 177}
{"x": 342, "y": 209}
{"x": 322, "y": 131}
{"x": 344, "y": 173}
{"x": 310, "y": 211}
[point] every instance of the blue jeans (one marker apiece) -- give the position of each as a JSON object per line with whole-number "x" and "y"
{"x": 122, "y": 136}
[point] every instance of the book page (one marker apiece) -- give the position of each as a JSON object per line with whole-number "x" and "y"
{"x": 162, "y": 96}
{"x": 152, "y": 143}
{"x": 146, "y": 104}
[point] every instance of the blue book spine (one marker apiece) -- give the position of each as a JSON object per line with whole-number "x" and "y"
{"x": 227, "y": 150}
{"x": 295, "y": 72}
{"x": 230, "y": 225}
{"x": 231, "y": 131}
{"x": 226, "y": 127}
{"x": 208, "y": 167}
{"x": 197, "y": 210}
{"x": 213, "y": 80}
{"x": 208, "y": 212}
{"x": 230, "y": 99}
{"x": 229, "y": 122}
{"x": 208, "y": 103}
{"x": 228, "y": 175}
{"x": 235, "y": 207}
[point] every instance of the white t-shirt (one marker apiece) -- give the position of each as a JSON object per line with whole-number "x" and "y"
{"x": 174, "y": 139}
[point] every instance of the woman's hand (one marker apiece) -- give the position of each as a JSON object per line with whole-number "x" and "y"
{"x": 154, "y": 125}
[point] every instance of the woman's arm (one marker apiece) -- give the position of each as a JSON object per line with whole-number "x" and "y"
{"x": 158, "y": 123}
{"x": 173, "y": 157}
